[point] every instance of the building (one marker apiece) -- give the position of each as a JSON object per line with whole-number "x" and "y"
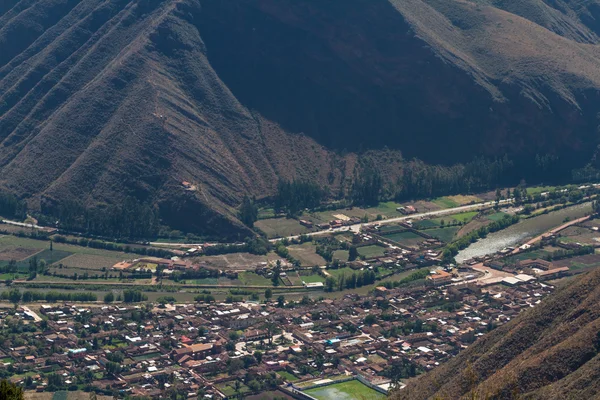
{"x": 440, "y": 278}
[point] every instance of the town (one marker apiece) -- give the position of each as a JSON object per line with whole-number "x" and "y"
{"x": 359, "y": 310}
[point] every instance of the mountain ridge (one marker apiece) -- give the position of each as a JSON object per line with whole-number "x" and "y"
{"x": 100, "y": 101}
{"x": 548, "y": 352}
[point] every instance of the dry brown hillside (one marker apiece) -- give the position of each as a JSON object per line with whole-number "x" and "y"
{"x": 549, "y": 352}
{"x": 102, "y": 100}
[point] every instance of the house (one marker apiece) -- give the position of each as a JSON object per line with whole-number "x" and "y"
{"x": 306, "y": 223}
{"x": 440, "y": 278}
{"x": 407, "y": 210}
{"x": 537, "y": 263}
{"x": 195, "y": 351}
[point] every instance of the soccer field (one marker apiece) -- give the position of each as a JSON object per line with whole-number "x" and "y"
{"x": 351, "y": 390}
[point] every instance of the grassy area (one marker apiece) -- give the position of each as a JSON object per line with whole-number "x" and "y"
{"x": 465, "y": 217}
{"x": 526, "y": 256}
{"x": 306, "y": 253}
{"x": 445, "y": 202}
{"x": 340, "y": 271}
{"x": 350, "y": 390}
{"x": 427, "y": 223}
{"x": 252, "y": 279}
{"x": 539, "y": 189}
{"x": 287, "y": 376}
{"x": 341, "y": 255}
{"x": 407, "y": 238}
{"x": 496, "y": 216}
{"x": 228, "y": 389}
{"x": 148, "y": 356}
{"x": 444, "y": 234}
{"x": 371, "y": 251}
{"x": 281, "y": 227}
{"x": 312, "y": 278}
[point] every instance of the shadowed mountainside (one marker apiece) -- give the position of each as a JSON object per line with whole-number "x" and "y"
{"x": 100, "y": 100}
{"x": 549, "y": 352}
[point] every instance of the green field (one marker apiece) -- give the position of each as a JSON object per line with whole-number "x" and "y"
{"x": 539, "y": 189}
{"x": 280, "y": 227}
{"x": 252, "y": 279}
{"x": 312, "y": 278}
{"x": 341, "y": 255}
{"x": 371, "y": 251}
{"x": 444, "y": 234}
{"x": 306, "y": 253}
{"x": 287, "y": 376}
{"x": 351, "y": 390}
{"x": 427, "y": 223}
{"x": 526, "y": 256}
{"x": 465, "y": 217}
{"x": 341, "y": 271}
{"x": 496, "y": 216}
{"x": 445, "y": 202}
{"x": 407, "y": 238}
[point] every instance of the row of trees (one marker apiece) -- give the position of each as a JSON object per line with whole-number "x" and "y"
{"x": 101, "y": 244}
{"x": 294, "y": 196}
{"x": 352, "y": 281}
{"x": 130, "y": 219}
{"x": 15, "y": 296}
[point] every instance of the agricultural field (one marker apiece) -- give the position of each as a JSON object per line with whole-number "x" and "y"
{"x": 228, "y": 389}
{"x": 456, "y": 201}
{"x": 236, "y": 261}
{"x": 287, "y": 376}
{"x": 540, "y": 253}
{"x": 89, "y": 261}
{"x": 341, "y": 271}
{"x": 311, "y": 278}
{"x": 252, "y": 279}
{"x": 306, "y": 253}
{"x": 406, "y": 238}
{"x": 496, "y": 216}
{"x": 583, "y": 235}
{"x": 371, "y": 251}
{"x": 580, "y": 263}
{"x": 62, "y": 395}
{"x": 444, "y": 234}
{"x": 350, "y": 390}
{"x": 539, "y": 189}
{"x": 281, "y": 227}
{"x": 16, "y": 253}
{"x": 341, "y": 255}
{"x": 465, "y": 216}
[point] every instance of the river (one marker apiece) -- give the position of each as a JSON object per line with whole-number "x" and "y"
{"x": 526, "y": 229}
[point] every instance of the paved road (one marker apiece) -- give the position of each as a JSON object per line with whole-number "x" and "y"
{"x": 357, "y": 227}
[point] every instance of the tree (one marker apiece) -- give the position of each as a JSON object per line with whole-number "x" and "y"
{"x": 271, "y": 328}
{"x": 352, "y": 253}
{"x": 276, "y": 273}
{"x": 109, "y": 297}
{"x": 259, "y": 356}
{"x": 370, "y": 319}
{"x": 248, "y": 212}
{"x": 268, "y": 294}
{"x": 14, "y": 296}
{"x": 280, "y": 301}
{"x": 10, "y": 391}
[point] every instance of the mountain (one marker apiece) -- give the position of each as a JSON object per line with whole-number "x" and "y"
{"x": 105, "y": 100}
{"x": 549, "y": 352}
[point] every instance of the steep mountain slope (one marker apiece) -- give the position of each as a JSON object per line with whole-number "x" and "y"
{"x": 100, "y": 100}
{"x": 549, "y": 352}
